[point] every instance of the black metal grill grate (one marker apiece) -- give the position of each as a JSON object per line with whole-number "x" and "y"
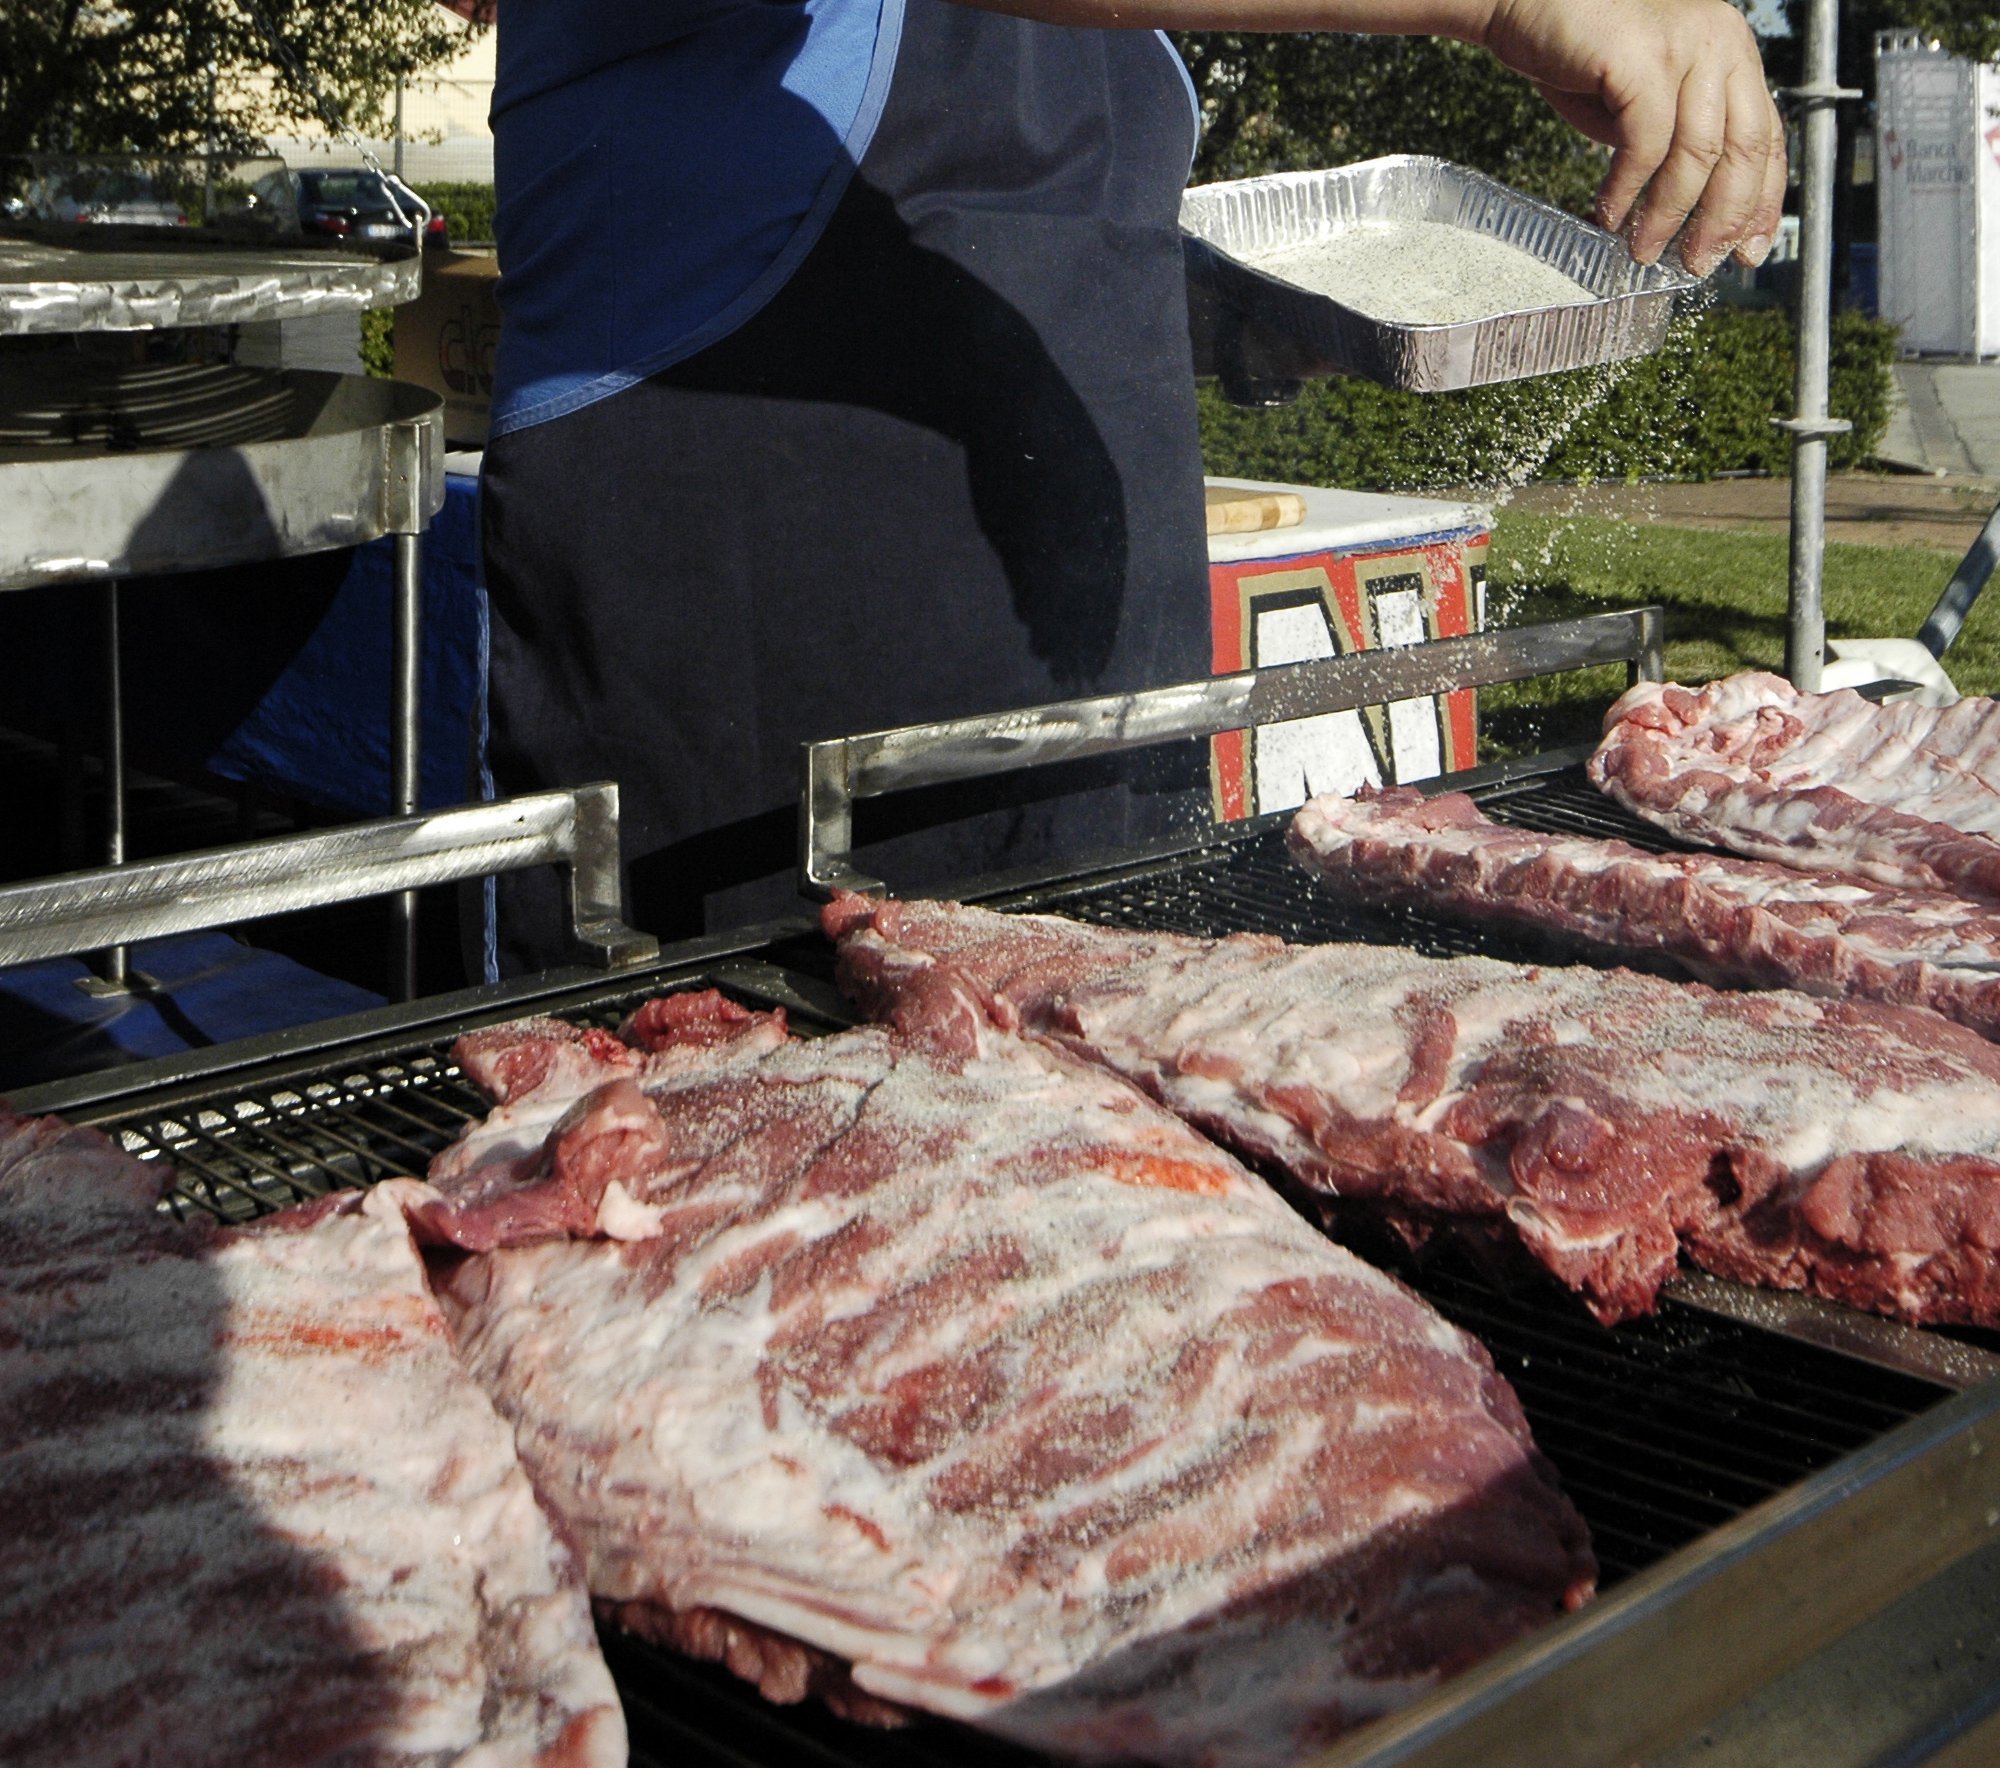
{"x": 1661, "y": 1428}
{"x": 1252, "y": 885}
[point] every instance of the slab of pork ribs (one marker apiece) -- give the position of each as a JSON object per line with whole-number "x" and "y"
{"x": 950, "y": 1373}
{"x": 1604, "y": 1120}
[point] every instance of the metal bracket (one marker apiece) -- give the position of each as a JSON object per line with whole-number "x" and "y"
{"x": 112, "y": 905}
{"x": 1818, "y": 94}
{"x": 843, "y": 769}
{"x": 1808, "y": 427}
{"x": 412, "y": 473}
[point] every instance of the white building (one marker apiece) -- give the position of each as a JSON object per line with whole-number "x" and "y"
{"x": 445, "y": 133}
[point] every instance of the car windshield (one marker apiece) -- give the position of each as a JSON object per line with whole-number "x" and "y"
{"x": 346, "y": 190}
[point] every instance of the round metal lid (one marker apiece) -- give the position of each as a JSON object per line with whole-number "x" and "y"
{"x": 132, "y": 284}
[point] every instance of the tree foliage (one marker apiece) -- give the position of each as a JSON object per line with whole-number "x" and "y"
{"x": 94, "y": 76}
{"x": 1288, "y": 103}
{"x": 1970, "y": 28}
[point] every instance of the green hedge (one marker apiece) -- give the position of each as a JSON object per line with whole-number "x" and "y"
{"x": 467, "y": 208}
{"x": 1701, "y": 406}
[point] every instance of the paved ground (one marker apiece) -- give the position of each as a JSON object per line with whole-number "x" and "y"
{"x": 1875, "y": 509}
{"x": 1947, "y": 418}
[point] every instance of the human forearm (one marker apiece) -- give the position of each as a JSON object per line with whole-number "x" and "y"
{"x": 1674, "y": 87}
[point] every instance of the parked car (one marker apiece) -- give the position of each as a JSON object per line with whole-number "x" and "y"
{"x": 349, "y": 203}
{"x": 100, "y": 196}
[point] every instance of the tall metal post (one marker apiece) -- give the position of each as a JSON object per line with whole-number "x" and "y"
{"x": 1805, "y": 629}
{"x": 110, "y": 963}
{"x": 405, "y": 745}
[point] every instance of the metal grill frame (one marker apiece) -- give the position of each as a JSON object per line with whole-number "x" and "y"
{"x": 1667, "y": 1649}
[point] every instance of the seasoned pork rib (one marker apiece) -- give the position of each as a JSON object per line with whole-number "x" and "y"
{"x": 1603, "y": 1119}
{"x": 541, "y": 1164}
{"x": 1726, "y": 920}
{"x": 958, "y": 1376}
{"x": 1906, "y": 795}
{"x": 251, "y": 1509}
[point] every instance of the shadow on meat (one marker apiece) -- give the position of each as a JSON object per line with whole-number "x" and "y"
{"x": 147, "y": 1611}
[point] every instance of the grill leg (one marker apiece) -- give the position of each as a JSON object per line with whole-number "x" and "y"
{"x": 110, "y": 964}
{"x": 405, "y": 711}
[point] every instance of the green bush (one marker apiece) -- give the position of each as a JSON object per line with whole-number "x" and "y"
{"x": 1701, "y": 406}
{"x": 378, "y": 342}
{"x": 467, "y": 208}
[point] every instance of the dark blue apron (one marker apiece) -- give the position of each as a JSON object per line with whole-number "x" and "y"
{"x": 951, "y": 467}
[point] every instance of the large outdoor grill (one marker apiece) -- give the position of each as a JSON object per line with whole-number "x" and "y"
{"x": 1778, "y": 1489}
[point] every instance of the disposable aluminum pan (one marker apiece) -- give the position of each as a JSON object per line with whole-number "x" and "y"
{"x": 1274, "y": 330}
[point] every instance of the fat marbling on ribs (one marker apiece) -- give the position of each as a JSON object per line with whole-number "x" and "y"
{"x": 1904, "y": 794}
{"x": 1602, "y": 1119}
{"x": 947, "y": 1372}
{"x": 251, "y": 1509}
{"x": 1729, "y": 921}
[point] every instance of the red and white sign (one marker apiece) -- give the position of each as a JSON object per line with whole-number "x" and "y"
{"x": 1364, "y": 570}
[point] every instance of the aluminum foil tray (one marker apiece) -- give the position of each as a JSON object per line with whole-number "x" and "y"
{"x": 48, "y": 288}
{"x": 1276, "y": 331}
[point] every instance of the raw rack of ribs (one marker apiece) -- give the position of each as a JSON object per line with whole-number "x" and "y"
{"x": 1604, "y": 1120}
{"x": 1728, "y": 921}
{"x": 1906, "y": 795}
{"x": 253, "y": 1509}
{"x": 953, "y": 1374}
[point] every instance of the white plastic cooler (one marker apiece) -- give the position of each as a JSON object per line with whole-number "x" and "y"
{"x": 1362, "y": 569}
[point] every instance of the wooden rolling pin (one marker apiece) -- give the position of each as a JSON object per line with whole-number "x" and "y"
{"x": 1250, "y": 512}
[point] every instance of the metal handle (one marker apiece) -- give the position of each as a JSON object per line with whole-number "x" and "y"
{"x": 578, "y": 829}
{"x": 846, "y": 768}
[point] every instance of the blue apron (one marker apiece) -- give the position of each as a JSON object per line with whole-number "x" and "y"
{"x": 950, "y": 467}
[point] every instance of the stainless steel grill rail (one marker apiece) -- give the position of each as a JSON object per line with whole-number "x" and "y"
{"x": 838, "y": 771}
{"x": 1763, "y": 1475}
{"x": 114, "y": 905}
{"x": 1666, "y": 1431}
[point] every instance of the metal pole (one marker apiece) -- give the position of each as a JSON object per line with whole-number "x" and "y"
{"x": 399, "y": 125}
{"x": 405, "y": 711}
{"x": 1805, "y": 631}
{"x": 111, "y": 962}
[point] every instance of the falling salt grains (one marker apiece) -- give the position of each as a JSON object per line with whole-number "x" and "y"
{"x": 1422, "y": 273}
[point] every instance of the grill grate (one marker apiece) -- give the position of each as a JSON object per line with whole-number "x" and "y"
{"x": 1252, "y": 885}
{"x": 67, "y": 401}
{"x": 1662, "y": 1428}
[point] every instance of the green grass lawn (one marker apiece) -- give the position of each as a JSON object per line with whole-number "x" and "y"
{"x": 1724, "y": 593}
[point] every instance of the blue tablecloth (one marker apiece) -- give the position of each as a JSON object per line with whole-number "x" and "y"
{"x": 211, "y": 988}
{"x": 231, "y": 671}
{"x": 321, "y": 731}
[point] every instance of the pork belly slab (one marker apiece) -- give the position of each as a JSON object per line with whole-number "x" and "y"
{"x": 1603, "y": 1119}
{"x": 957, "y": 1376}
{"x": 251, "y": 1509}
{"x": 1905, "y": 795}
{"x": 1727, "y": 920}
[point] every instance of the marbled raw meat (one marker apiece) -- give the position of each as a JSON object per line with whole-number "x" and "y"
{"x": 1603, "y": 1119}
{"x": 250, "y": 1507}
{"x": 1728, "y": 921}
{"x": 959, "y": 1376}
{"x": 544, "y": 1162}
{"x": 1906, "y": 795}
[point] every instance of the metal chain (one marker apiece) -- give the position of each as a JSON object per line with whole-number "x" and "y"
{"x": 333, "y": 119}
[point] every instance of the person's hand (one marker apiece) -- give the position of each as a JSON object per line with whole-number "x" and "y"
{"x": 1676, "y": 89}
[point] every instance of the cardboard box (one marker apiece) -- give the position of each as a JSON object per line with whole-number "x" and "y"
{"x": 445, "y": 340}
